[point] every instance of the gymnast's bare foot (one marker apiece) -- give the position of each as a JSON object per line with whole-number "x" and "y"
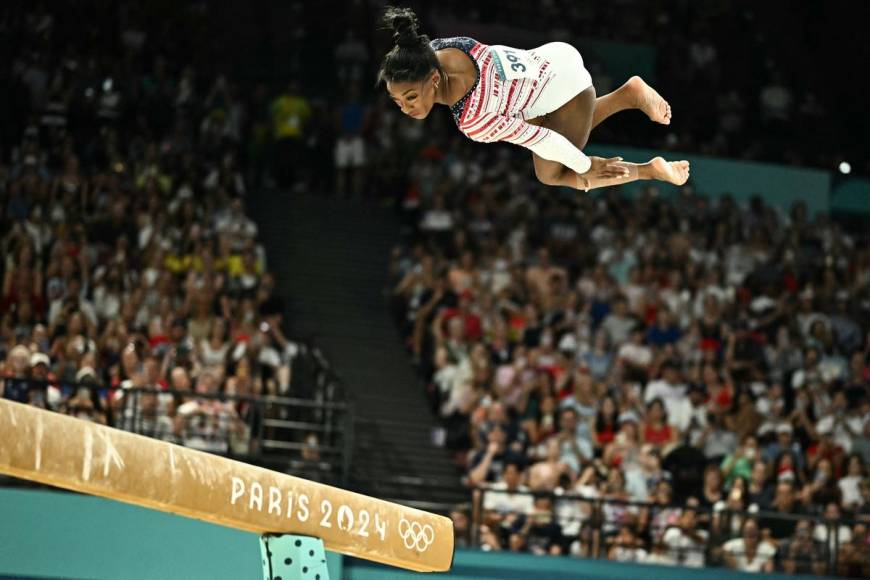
{"x": 676, "y": 172}
{"x": 649, "y": 101}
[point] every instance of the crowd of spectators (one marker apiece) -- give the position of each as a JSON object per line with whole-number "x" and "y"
{"x": 128, "y": 257}
{"x": 696, "y": 356}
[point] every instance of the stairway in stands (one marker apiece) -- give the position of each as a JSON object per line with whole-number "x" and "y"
{"x": 330, "y": 259}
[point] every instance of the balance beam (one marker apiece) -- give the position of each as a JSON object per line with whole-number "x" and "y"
{"x": 62, "y": 451}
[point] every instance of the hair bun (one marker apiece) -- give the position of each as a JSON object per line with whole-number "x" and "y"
{"x": 404, "y": 23}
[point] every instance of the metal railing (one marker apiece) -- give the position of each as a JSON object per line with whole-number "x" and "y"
{"x": 259, "y": 429}
{"x": 595, "y": 524}
{"x": 271, "y": 430}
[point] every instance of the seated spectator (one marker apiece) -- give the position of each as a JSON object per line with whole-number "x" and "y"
{"x": 841, "y": 423}
{"x": 606, "y": 422}
{"x": 508, "y": 495}
{"x": 672, "y": 392}
{"x": 694, "y": 429}
{"x": 863, "y": 511}
{"x": 854, "y": 560}
{"x": 822, "y": 489}
{"x": 582, "y": 399}
{"x": 488, "y": 464}
{"x": 214, "y": 351}
{"x": 619, "y": 324}
{"x": 720, "y": 392}
{"x": 749, "y": 553}
{"x": 16, "y": 369}
{"x": 541, "y": 528}
{"x": 572, "y": 513}
{"x": 548, "y": 470}
{"x": 627, "y": 442}
{"x": 685, "y": 542}
{"x": 599, "y": 358}
{"x": 739, "y": 463}
{"x": 206, "y": 423}
{"x": 461, "y": 528}
{"x": 489, "y": 539}
{"x": 82, "y": 406}
{"x": 627, "y": 547}
{"x": 830, "y": 531}
{"x": 575, "y": 447}
{"x": 616, "y": 513}
{"x": 656, "y": 430}
{"x": 744, "y": 419}
{"x": 497, "y": 415}
{"x": 801, "y": 553}
{"x": 41, "y": 378}
{"x": 771, "y": 405}
{"x": 785, "y": 443}
{"x": 518, "y": 542}
{"x": 716, "y": 440}
{"x": 712, "y": 491}
{"x": 659, "y": 555}
{"x": 635, "y": 357}
{"x": 760, "y": 490}
{"x": 785, "y": 501}
{"x": 727, "y": 522}
{"x": 149, "y": 417}
{"x": 663, "y": 513}
{"x": 665, "y": 331}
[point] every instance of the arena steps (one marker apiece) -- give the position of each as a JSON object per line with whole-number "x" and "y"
{"x": 330, "y": 260}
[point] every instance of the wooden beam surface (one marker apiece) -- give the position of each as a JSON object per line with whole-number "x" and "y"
{"x": 62, "y": 451}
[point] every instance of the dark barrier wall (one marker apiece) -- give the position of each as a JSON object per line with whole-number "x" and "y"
{"x": 51, "y": 534}
{"x": 477, "y": 565}
{"x": 61, "y": 535}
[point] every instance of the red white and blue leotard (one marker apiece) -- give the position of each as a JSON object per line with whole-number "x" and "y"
{"x": 514, "y": 85}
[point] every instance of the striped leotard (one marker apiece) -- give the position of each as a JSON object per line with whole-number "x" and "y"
{"x": 514, "y": 85}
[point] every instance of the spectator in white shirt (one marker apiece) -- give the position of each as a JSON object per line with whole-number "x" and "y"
{"x": 634, "y": 355}
{"x": 508, "y": 495}
{"x": 672, "y": 391}
{"x": 850, "y": 485}
{"x": 438, "y": 218}
{"x": 840, "y": 424}
{"x": 749, "y": 553}
{"x": 832, "y": 531}
{"x": 685, "y": 542}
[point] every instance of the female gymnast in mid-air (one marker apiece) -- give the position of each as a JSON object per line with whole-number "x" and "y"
{"x": 541, "y": 99}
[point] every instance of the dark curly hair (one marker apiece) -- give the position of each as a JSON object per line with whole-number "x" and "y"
{"x": 411, "y": 59}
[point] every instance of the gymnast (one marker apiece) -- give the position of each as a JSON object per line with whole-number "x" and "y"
{"x": 541, "y": 99}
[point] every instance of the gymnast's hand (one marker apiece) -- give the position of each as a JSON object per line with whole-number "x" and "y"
{"x": 602, "y": 170}
{"x": 606, "y": 168}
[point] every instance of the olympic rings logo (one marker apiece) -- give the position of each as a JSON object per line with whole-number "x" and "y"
{"x": 415, "y": 535}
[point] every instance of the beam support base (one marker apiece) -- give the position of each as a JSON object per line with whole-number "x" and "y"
{"x": 292, "y": 557}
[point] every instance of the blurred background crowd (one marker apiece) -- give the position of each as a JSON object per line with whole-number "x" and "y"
{"x": 691, "y": 361}
{"x": 128, "y": 257}
{"x": 631, "y": 351}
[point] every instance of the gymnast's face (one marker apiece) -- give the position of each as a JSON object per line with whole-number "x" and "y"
{"x": 415, "y": 98}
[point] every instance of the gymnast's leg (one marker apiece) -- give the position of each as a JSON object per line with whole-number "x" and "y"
{"x": 658, "y": 169}
{"x": 575, "y": 120}
{"x": 634, "y": 94}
